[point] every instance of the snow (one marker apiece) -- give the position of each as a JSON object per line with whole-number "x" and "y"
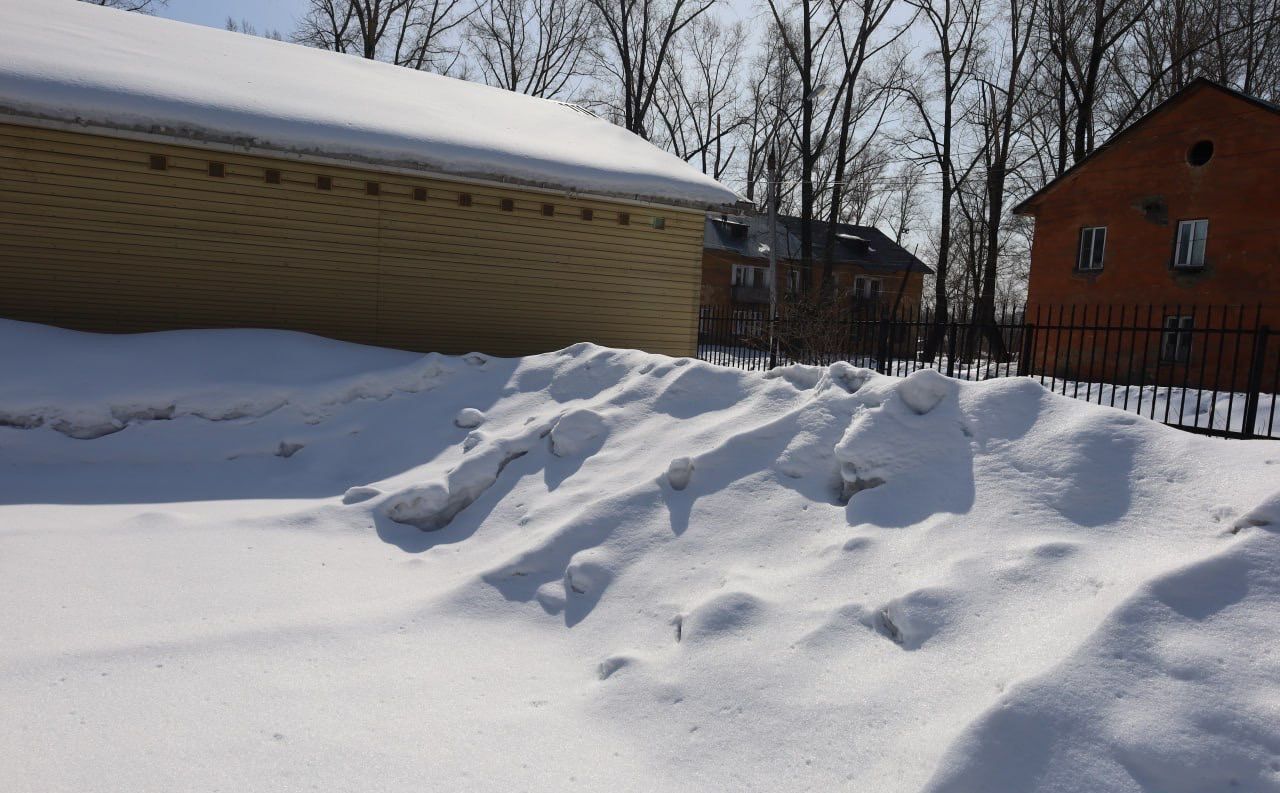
{"x": 75, "y": 62}
{"x": 640, "y": 573}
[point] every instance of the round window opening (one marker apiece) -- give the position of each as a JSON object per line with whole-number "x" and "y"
{"x": 1200, "y": 153}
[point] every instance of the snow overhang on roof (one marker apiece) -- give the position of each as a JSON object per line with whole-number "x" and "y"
{"x": 74, "y": 62}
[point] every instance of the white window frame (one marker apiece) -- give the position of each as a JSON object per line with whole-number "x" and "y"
{"x": 1093, "y": 248}
{"x": 1189, "y": 248}
{"x": 1175, "y": 341}
{"x": 747, "y": 275}
{"x": 862, "y": 288}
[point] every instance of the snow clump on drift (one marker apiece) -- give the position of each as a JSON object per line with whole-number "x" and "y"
{"x": 636, "y": 568}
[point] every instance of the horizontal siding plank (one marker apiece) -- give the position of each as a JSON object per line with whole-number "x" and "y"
{"x": 423, "y": 251}
{"x": 393, "y": 260}
{"x": 217, "y": 195}
{"x": 228, "y": 286}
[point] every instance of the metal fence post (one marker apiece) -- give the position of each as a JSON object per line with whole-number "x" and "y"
{"x": 1253, "y": 390}
{"x": 773, "y": 340}
{"x": 951, "y": 350}
{"x": 882, "y": 344}
{"x": 1028, "y": 346}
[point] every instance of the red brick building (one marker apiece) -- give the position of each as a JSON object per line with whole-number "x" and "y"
{"x": 1177, "y": 213}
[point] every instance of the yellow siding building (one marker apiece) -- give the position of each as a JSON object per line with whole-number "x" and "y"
{"x": 185, "y": 220}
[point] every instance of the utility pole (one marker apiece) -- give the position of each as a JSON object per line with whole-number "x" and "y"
{"x": 772, "y": 197}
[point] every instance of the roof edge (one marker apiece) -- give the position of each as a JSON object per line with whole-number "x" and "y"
{"x": 232, "y": 145}
{"x": 1024, "y": 207}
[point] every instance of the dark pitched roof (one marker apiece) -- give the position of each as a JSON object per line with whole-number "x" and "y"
{"x": 745, "y": 235}
{"x": 864, "y": 246}
{"x": 1194, "y": 86}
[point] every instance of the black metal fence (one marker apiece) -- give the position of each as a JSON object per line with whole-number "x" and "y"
{"x": 1213, "y": 370}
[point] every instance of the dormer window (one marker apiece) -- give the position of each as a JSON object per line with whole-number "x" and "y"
{"x": 736, "y": 229}
{"x": 859, "y": 245}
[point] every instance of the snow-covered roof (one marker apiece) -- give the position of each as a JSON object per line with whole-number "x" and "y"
{"x": 71, "y": 61}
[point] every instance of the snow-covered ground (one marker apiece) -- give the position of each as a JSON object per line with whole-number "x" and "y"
{"x": 251, "y": 560}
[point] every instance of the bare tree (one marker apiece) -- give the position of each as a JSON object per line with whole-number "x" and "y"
{"x": 1001, "y": 119}
{"x": 536, "y": 47}
{"x": 805, "y": 32}
{"x": 773, "y": 96}
{"x": 1079, "y": 35}
{"x": 638, "y": 36}
{"x": 859, "y": 100}
{"x": 144, "y": 6}
{"x": 404, "y": 32}
{"x": 903, "y": 210}
{"x": 954, "y": 26}
{"x": 699, "y": 103}
{"x": 246, "y": 27}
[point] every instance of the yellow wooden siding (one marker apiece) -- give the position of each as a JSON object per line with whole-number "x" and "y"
{"x": 92, "y": 237}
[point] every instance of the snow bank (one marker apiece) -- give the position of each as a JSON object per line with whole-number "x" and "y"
{"x": 87, "y": 385}
{"x": 74, "y": 62}
{"x": 612, "y": 570}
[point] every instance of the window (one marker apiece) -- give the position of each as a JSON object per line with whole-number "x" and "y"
{"x": 1200, "y": 153}
{"x": 1175, "y": 342}
{"x": 1192, "y": 235}
{"x": 659, "y": 223}
{"x": 464, "y": 199}
{"x": 866, "y": 288}
{"x": 271, "y": 175}
{"x": 793, "y": 281}
{"x": 748, "y": 276}
{"x": 1093, "y": 243}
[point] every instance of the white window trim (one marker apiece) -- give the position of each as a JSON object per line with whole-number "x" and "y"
{"x": 751, "y": 270}
{"x": 1086, "y": 263}
{"x": 1178, "y": 252}
{"x": 862, "y": 287}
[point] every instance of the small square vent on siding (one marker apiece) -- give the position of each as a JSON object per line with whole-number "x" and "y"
{"x": 464, "y": 199}
{"x": 271, "y": 175}
{"x": 419, "y": 194}
{"x": 324, "y": 182}
{"x": 159, "y": 162}
{"x": 217, "y": 169}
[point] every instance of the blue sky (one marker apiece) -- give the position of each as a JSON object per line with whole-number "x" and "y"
{"x": 281, "y": 14}
{"x": 263, "y": 14}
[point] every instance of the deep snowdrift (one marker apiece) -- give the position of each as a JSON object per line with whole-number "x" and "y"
{"x": 261, "y": 560}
